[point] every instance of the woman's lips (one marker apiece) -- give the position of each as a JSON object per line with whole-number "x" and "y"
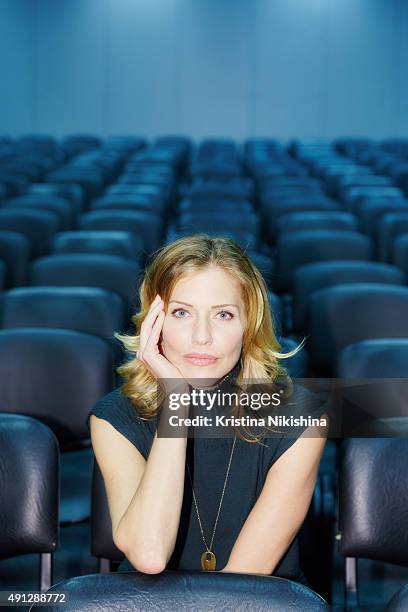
{"x": 200, "y": 360}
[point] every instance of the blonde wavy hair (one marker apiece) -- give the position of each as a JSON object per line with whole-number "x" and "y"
{"x": 260, "y": 354}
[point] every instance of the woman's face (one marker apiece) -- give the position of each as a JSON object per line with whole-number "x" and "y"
{"x": 204, "y": 324}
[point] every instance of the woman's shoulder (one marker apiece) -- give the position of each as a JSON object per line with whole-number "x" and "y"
{"x": 303, "y": 408}
{"x": 114, "y": 397}
{"x": 118, "y": 410}
{"x": 114, "y": 402}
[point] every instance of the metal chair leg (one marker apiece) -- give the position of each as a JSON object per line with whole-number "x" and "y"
{"x": 104, "y": 565}
{"x": 352, "y": 601}
{"x": 45, "y": 571}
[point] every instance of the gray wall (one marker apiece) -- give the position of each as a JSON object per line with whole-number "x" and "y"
{"x": 237, "y": 68}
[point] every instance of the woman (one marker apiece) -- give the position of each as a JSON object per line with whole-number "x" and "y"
{"x": 199, "y": 503}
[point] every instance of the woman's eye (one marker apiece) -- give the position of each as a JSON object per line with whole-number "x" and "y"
{"x": 228, "y": 316}
{"x": 177, "y": 310}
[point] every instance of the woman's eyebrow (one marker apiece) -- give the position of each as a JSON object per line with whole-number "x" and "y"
{"x": 191, "y": 306}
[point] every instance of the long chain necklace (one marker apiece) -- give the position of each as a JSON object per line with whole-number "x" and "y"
{"x": 208, "y": 558}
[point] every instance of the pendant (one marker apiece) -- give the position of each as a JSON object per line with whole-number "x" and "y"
{"x": 208, "y": 561}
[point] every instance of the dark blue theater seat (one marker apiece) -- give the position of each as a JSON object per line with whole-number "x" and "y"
{"x": 120, "y": 243}
{"x": 345, "y": 314}
{"x": 295, "y": 249}
{"x": 202, "y": 204}
{"x": 38, "y": 226}
{"x": 29, "y": 482}
{"x": 343, "y": 184}
{"x": 370, "y": 213}
{"x": 229, "y": 591}
{"x": 15, "y": 253}
{"x": 142, "y": 202}
{"x": 237, "y": 188}
{"x": 87, "y": 309}
{"x": 90, "y": 179}
{"x": 71, "y": 192}
{"x": 312, "y": 220}
{"x": 372, "y": 506}
{"x": 400, "y": 252}
{"x": 39, "y": 367}
{"x": 59, "y": 206}
{"x": 390, "y": 226}
{"x": 241, "y": 224}
{"x": 3, "y": 275}
{"x": 108, "y": 272}
{"x": 312, "y": 277}
{"x": 141, "y": 223}
{"x": 272, "y": 209}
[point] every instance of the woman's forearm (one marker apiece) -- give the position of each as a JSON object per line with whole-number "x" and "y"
{"x": 148, "y": 529}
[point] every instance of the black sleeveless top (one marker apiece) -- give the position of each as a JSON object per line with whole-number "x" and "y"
{"x": 208, "y": 461}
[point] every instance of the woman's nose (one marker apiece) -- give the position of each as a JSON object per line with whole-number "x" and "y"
{"x": 202, "y": 331}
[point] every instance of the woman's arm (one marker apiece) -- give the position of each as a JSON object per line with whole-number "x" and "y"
{"x": 144, "y": 497}
{"x": 281, "y": 508}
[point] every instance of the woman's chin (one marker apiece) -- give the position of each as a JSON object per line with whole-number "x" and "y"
{"x": 198, "y": 372}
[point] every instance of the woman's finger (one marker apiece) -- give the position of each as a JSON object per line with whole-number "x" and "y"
{"x": 146, "y": 327}
{"x": 148, "y": 320}
{"x": 151, "y": 347}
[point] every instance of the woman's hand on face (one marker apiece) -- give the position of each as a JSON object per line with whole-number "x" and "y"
{"x": 149, "y": 352}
